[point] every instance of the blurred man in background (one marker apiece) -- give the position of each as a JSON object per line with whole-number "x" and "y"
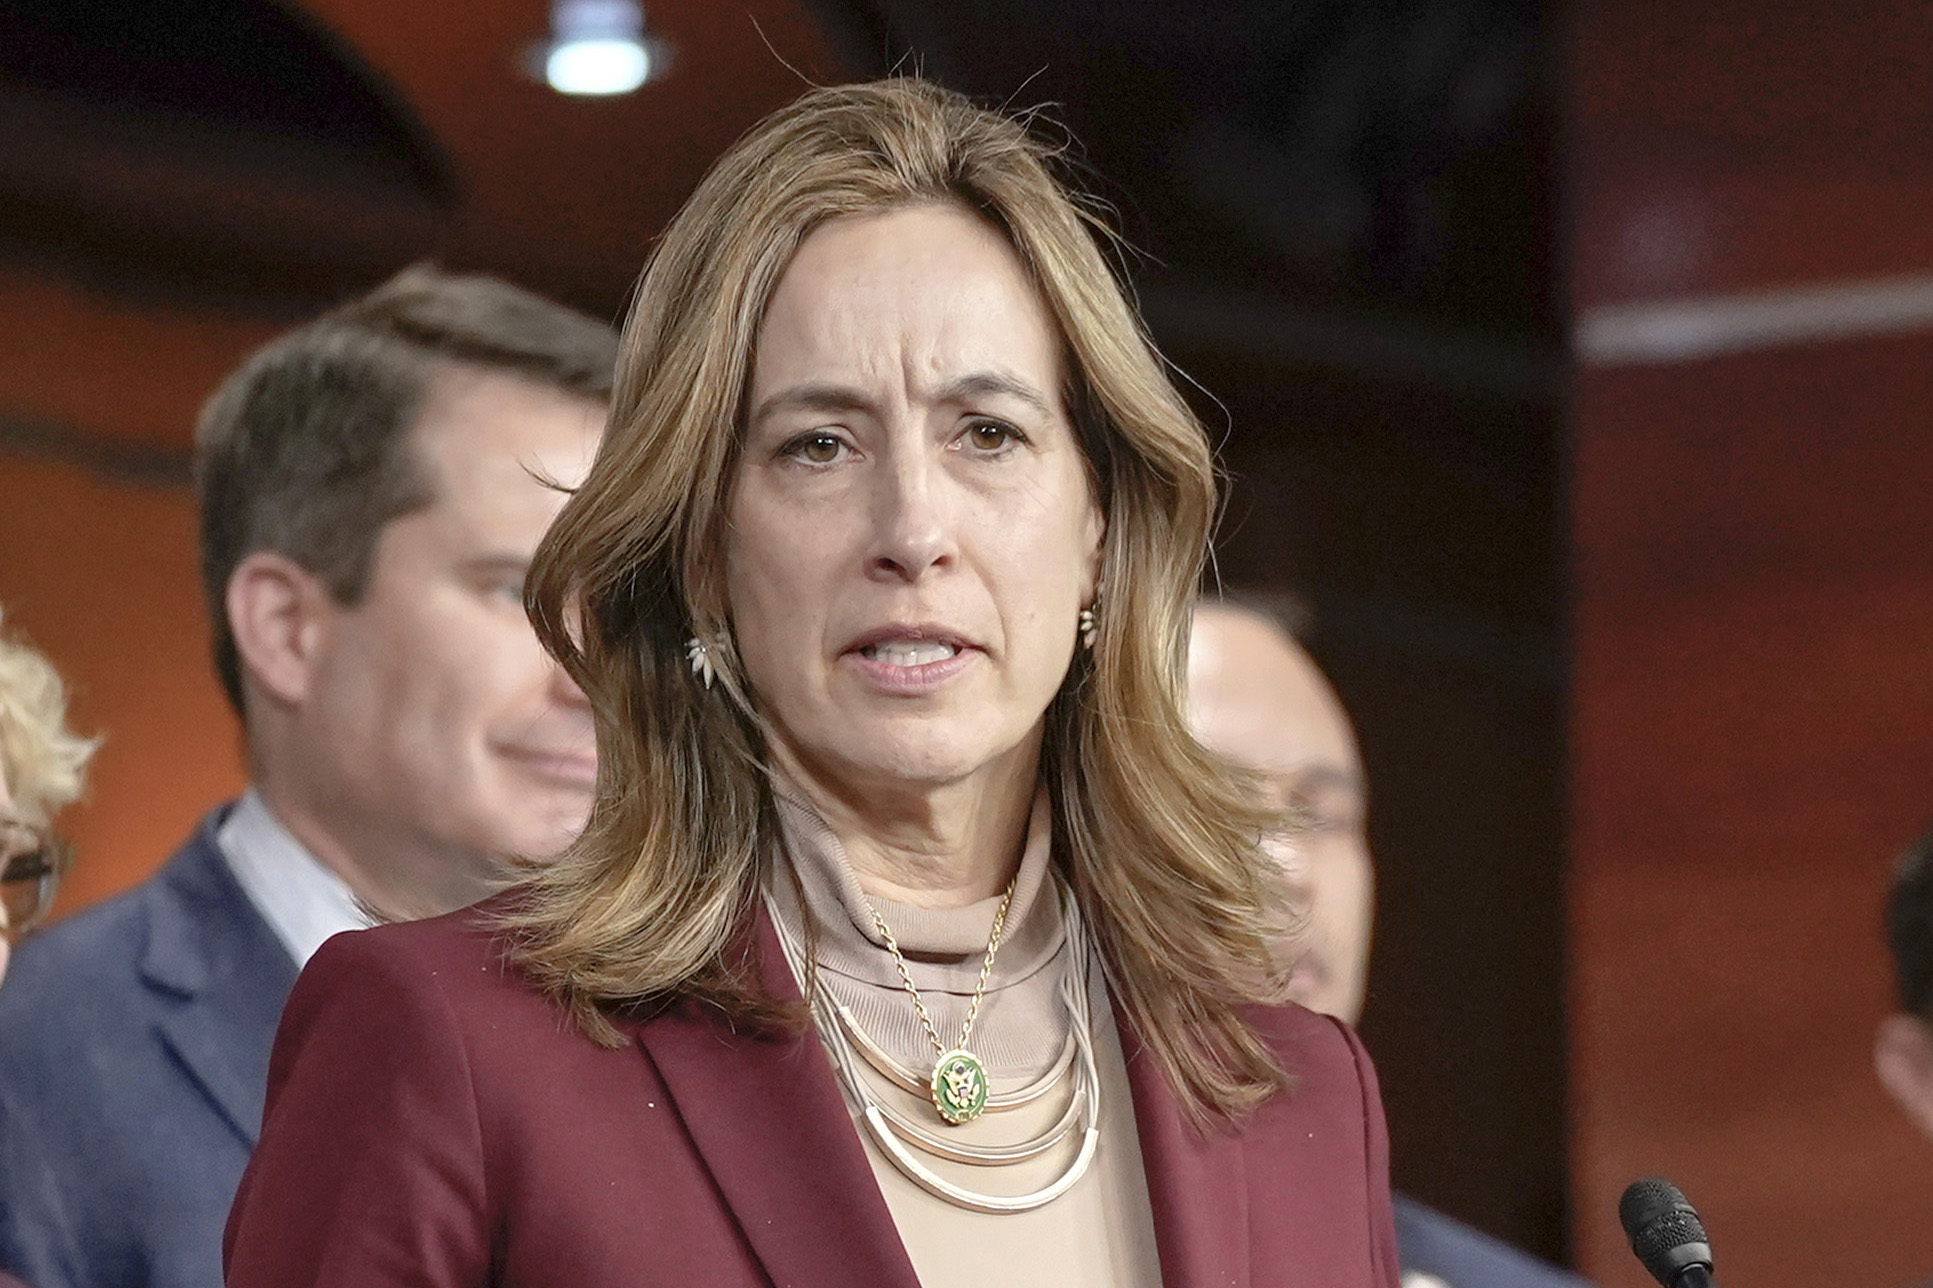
{"x": 1256, "y": 698}
{"x": 372, "y": 487}
{"x": 1903, "y": 1048}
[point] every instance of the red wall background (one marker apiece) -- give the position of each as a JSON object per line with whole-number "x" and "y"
{"x": 99, "y": 571}
{"x": 1752, "y": 613}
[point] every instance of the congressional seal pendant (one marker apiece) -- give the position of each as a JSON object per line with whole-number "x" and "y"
{"x": 959, "y": 1086}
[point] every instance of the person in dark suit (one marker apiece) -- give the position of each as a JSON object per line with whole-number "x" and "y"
{"x": 1257, "y": 697}
{"x": 41, "y": 766}
{"x": 912, "y": 939}
{"x": 371, "y": 487}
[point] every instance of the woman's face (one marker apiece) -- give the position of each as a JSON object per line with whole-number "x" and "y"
{"x": 912, "y": 531}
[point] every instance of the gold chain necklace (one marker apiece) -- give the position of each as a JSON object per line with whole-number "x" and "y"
{"x": 959, "y": 1084}
{"x": 892, "y": 1135}
{"x": 914, "y": 1083}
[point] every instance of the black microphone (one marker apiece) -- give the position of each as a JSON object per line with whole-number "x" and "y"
{"x": 1666, "y": 1234}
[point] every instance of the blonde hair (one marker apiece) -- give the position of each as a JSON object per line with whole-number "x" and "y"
{"x": 1156, "y": 837}
{"x": 40, "y": 757}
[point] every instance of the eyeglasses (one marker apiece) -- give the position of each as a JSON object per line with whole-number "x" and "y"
{"x": 30, "y": 866}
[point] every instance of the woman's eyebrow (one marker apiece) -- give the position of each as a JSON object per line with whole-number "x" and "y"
{"x": 812, "y": 397}
{"x": 843, "y": 398}
{"x": 982, "y": 383}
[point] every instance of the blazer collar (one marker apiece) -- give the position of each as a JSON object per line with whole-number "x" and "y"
{"x": 767, "y": 1115}
{"x": 1197, "y": 1185}
{"x": 221, "y": 978}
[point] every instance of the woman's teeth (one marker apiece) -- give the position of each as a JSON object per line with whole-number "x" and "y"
{"x": 911, "y": 652}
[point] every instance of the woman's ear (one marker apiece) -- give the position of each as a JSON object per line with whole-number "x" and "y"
{"x": 279, "y": 613}
{"x": 1903, "y": 1059}
{"x": 1094, "y": 542}
{"x": 706, "y": 604}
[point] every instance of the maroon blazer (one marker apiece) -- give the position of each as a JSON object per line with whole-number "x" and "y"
{"x": 433, "y": 1121}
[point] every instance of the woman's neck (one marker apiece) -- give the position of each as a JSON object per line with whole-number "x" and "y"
{"x": 932, "y": 845}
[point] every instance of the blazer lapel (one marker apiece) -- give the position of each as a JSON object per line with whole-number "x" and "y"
{"x": 1197, "y": 1185}
{"x": 773, "y": 1128}
{"x": 221, "y": 979}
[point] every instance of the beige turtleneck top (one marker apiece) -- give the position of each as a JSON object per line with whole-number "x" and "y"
{"x": 1100, "y": 1234}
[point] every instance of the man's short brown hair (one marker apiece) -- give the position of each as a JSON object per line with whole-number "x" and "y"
{"x": 303, "y": 450}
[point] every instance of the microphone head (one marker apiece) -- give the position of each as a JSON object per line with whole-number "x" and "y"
{"x": 1664, "y": 1229}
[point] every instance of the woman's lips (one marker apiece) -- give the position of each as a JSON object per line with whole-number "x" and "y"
{"x": 910, "y": 652}
{"x": 910, "y": 666}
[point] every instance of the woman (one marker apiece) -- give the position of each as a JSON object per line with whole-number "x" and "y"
{"x": 912, "y": 939}
{"x": 41, "y": 763}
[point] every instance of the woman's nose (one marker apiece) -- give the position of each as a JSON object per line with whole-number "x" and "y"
{"x": 913, "y": 529}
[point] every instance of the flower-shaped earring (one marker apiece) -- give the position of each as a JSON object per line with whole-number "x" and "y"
{"x": 699, "y": 655}
{"x": 1089, "y": 628}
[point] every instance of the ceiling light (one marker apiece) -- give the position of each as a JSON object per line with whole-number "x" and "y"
{"x": 596, "y": 47}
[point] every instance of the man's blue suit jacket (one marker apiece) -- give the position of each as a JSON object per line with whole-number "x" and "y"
{"x": 1430, "y": 1243}
{"x": 134, "y": 1044}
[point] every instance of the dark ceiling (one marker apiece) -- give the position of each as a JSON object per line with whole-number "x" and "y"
{"x": 1366, "y": 162}
{"x": 1352, "y": 155}
{"x": 221, "y": 68}
{"x": 273, "y": 156}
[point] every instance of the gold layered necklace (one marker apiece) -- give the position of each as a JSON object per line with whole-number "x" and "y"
{"x": 893, "y": 1134}
{"x": 914, "y": 1083}
{"x": 958, "y": 1086}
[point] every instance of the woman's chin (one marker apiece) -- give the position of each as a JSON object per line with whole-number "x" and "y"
{"x": 916, "y": 752}
{"x": 919, "y": 766}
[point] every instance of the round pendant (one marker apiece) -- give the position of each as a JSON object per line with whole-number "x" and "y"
{"x": 959, "y": 1086}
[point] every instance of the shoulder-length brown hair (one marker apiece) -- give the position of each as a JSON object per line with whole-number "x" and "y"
{"x": 1155, "y": 836}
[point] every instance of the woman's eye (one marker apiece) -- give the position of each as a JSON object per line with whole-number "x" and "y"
{"x": 815, "y": 449}
{"x": 991, "y": 435}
